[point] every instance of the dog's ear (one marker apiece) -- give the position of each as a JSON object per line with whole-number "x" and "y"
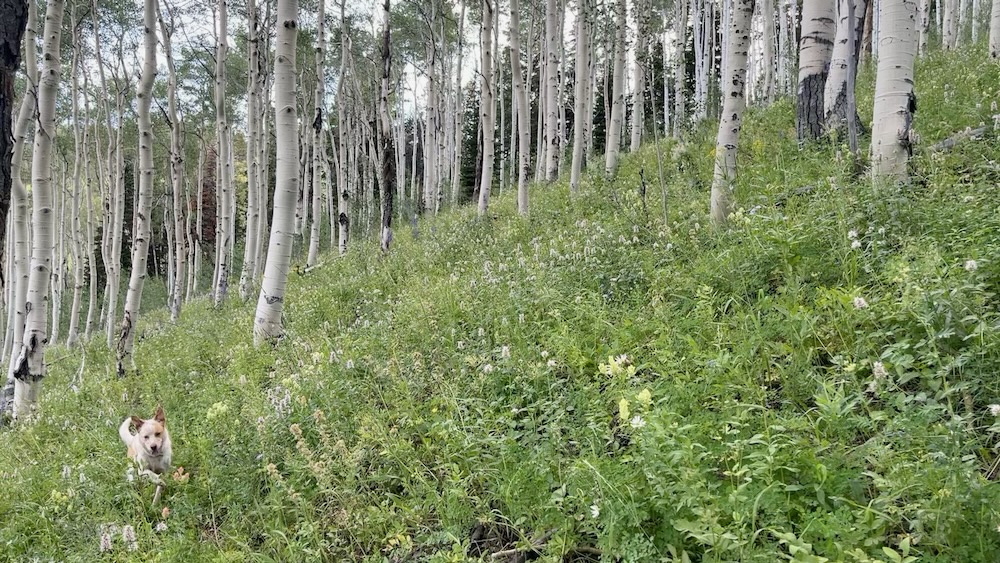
{"x": 137, "y": 422}
{"x": 159, "y": 416}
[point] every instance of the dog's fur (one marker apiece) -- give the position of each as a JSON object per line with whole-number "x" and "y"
{"x": 150, "y": 446}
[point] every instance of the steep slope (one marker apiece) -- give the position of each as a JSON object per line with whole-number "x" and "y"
{"x": 817, "y": 380}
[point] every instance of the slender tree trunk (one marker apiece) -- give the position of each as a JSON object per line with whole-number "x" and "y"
{"x": 950, "y": 24}
{"x": 176, "y": 289}
{"x": 15, "y": 19}
{"x": 768, "y": 40}
{"x": 836, "y": 114}
{"x": 144, "y": 203}
{"x": 639, "y": 74}
{"x": 79, "y": 172}
{"x": 552, "y": 42}
{"x": 581, "y": 108}
{"x": 58, "y": 280}
{"x": 487, "y": 108}
{"x": 319, "y": 153}
{"x": 523, "y": 110}
{"x": 343, "y": 221}
{"x": 224, "y": 182}
{"x": 995, "y": 30}
{"x": 680, "y": 34}
{"x": 894, "y": 97}
{"x": 255, "y": 108}
{"x": 91, "y": 254}
{"x": 388, "y": 158}
{"x": 613, "y": 147}
{"x": 20, "y": 251}
{"x": 268, "y": 325}
{"x": 734, "y": 103}
{"x": 29, "y": 367}
{"x": 456, "y": 172}
{"x": 924, "y": 10}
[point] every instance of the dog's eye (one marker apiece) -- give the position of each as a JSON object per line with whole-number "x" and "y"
{"x": 157, "y": 434}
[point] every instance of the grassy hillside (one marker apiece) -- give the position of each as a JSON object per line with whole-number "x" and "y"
{"x": 812, "y": 383}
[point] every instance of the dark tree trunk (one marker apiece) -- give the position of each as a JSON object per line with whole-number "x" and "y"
{"x": 14, "y": 15}
{"x": 388, "y": 154}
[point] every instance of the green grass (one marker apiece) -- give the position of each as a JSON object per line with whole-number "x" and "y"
{"x": 456, "y": 397}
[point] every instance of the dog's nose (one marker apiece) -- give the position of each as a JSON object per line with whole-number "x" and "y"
{"x": 154, "y": 447}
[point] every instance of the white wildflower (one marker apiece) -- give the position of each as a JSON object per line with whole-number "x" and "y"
{"x": 595, "y": 510}
{"x": 488, "y": 368}
{"x": 460, "y": 344}
{"x": 637, "y": 422}
{"x": 545, "y": 354}
{"x": 349, "y": 364}
{"x": 128, "y": 536}
{"x": 66, "y": 471}
{"x": 995, "y": 410}
{"x": 83, "y": 478}
{"x": 855, "y": 244}
{"x": 130, "y": 474}
{"x": 878, "y": 370}
{"x": 860, "y": 303}
{"x": 505, "y": 352}
{"x": 852, "y": 234}
{"x": 551, "y": 363}
{"x": 971, "y": 266}
{"x": 161, "y": 527}
{"x": 105, "y": 540}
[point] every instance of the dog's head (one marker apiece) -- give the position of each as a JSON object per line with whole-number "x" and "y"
{"x": 152, "y": 432}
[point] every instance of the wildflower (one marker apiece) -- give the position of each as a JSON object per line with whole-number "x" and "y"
{"x": 460, "y": 344}
{"x": 878, "y": 370}
{"x": 860, "y": 303}
{"x": 545, "y": 354}
{"x": 995, "y": 410}
{"x": 852, "y": 234}
{"x": 65, "y": 471}
{"x": 161, "y": 527}
{"x": 645, "y": 397}
{"x": 105, "y": 539}
{"x": 622, "y": 360}
{"x": 165, "y": 513}
{"x": 623, "y": 411}
{"x": 971, "y": 266}
{"x": 130, "y": 474}
{"x": 637, "y": 422}
{"x": 180, "y": 476}
{"x": 505, "y": 352}
{"x": 855, "y": 244}
{"x": 83, "y": 478}
{"x": 488, "y": 368}
{"x": 128, "y": 536}
{"x": 551, "y": 363}
{"x": 595, "y": 511}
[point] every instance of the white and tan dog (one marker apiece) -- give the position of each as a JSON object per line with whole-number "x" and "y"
{"x": 149, "y": 447}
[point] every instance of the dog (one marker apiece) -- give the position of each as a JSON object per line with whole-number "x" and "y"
{"x": 149, "y": 447}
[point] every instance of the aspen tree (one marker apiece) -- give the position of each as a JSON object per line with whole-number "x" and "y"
{"x": 318, "y": 149}
{"x": 268, "y": 325}
{"x": 613, "y": 147}
{"x": 734, "y": 103}
{"x": 487, "y": 108}
{"x": 180, "y": 251}
{"x": 552, "y": 43}
{"x": 843, "y": 62}
{"x": 224, "y": 182}
{"x": 144, "y": 203}
{"x": 639, "y": 74}
{"x": 255, "y": 111}
{"x": 79, "y": 170}
{"x": 680, "y": 38}
{"x": 819, "y": 25}
{"x": 523, "y": 109}
{"x": 581, "y": 109}
{"x": 995, "y": 30}
{"x": 895, "y": 100}
{"x": 388, "y": 158}
{"x": 29, "y": 365}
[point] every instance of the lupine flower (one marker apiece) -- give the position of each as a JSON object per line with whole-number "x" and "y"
{"x": 106, "y": 544}
{"x": 128, "y": 536}
{"x": 878, "y": 370}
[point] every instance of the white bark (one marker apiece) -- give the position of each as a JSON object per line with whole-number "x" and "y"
{"x": 319, "y": 152}
{"x": 680, "y": 38}
{"x": 894, "y": 96}
{"x": 835, "y": 96}
{"x": 819, "y": 25}
{"x": 144, "y": 203}
{"x": 268, "y": 323}
{"x": 459, "y": 109}
{"x": 552, "y": 42}
{"x": 613, "y": 147}
{"x": 224, "y": 182}
{"x": 79, "y": 170}
{"x": 925, "y": 23}
{"x": 734, "y": 102}
{"x": 639, "y": 74}
{"x": 255, "y": 109}
{"x": 343, "y": 220}
{"x": 179, "y": 251}
{"x": 487, "y": 109}
{"x": 523, "y": 110}
{"x": 18, "y": 241}
{"x": 30, "y": 366}
{"x": 949, "y": 25}
{"x": 995, "y": 30}
{"x": 581, "y": 109}
{"x": 767, "y": 13}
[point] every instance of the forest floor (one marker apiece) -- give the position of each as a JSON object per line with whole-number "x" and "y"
{"x": 606, "y": 379}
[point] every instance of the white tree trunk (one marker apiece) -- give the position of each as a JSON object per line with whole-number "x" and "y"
{"x": 179, "y": 251}
{"x": 925, "y": 23}
{"x": 734, "y": 102}
{"x": 144, "y": 203}
{"x": 319, "y": 152}
{"x": 224, "y": 183}
{"x": 581, "y": 109}
{"x": 79, "y": 170}
{"x": 388, "y": 171}
{"x": 459, "y": 109}
{"x": 255, "y": 109}
{"x": 819, "y": 25}
{"x": 639, "y": 74}
{"x": 995, "y": 30}
{"x": 552, "y": 42}
{"x": 680, "y": 40}
{"x": 949, "y": 25}
{"x": 487, "y": 107}
{"x": 29, "y": 366}
{"x": 343, "y": 220}
{"x": 613, "y": 147}
{"x": 268, "y": 323}
{"x": 894, "y": 97}
{"x": 523, "y": 110}
{"x": 19, "y": 210}
{"x": 835, "y": 96}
